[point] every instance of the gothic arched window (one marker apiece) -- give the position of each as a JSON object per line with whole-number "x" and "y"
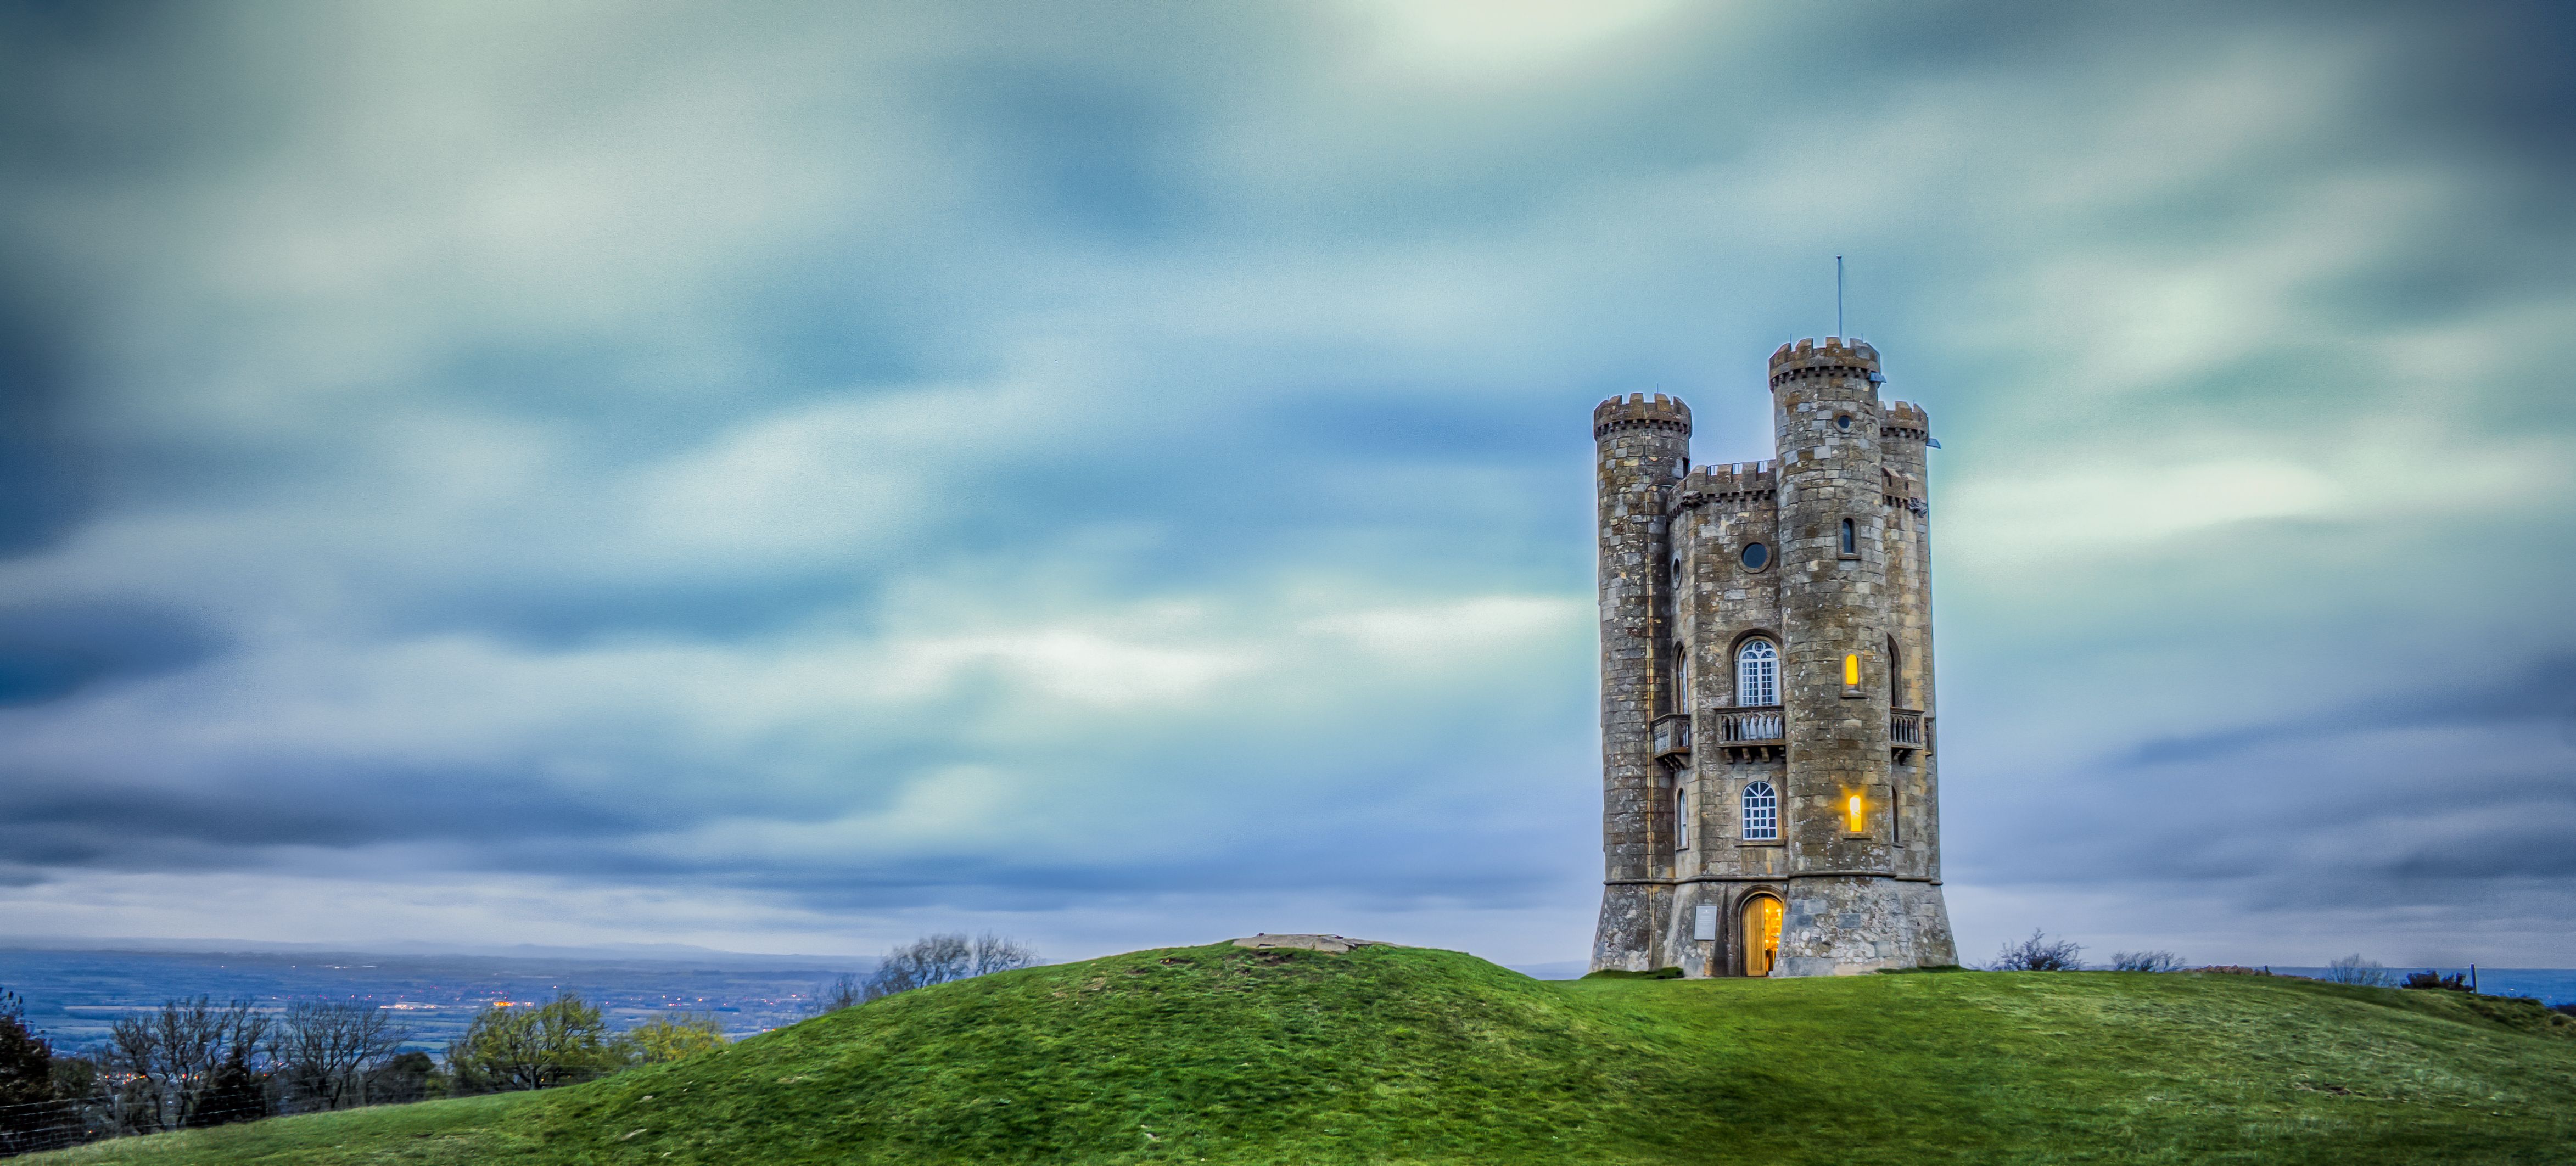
{"x": 1761, "y": 813}
{"x": 1757, "y": 674}
{"x": 1681, "y": 819}
{"x": 1851, "y": 544}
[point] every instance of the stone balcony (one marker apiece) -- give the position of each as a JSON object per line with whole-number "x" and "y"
{"x": 1673, "y": 741}
{"x": 1758, "y": 733}
{"x": 1908, "y": 731}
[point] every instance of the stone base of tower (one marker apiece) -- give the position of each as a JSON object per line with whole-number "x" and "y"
{"x": 1632, "y": 916}
{"x": 1850, "y": 925}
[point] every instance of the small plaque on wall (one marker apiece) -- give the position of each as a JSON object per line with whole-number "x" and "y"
{"x": 1704, "y": 922}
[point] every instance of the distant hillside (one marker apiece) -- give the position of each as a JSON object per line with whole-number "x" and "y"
{"x": 1223, "y": 1055}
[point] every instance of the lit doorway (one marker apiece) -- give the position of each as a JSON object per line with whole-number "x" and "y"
{"x": 1761, "y": 934}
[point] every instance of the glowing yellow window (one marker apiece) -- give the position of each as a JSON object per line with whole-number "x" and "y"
{"x": 1856, "y": 814}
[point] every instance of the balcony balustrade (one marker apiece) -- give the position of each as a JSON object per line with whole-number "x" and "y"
{"x": 1750, "y": 734}
{"x": 1906, "y": 732}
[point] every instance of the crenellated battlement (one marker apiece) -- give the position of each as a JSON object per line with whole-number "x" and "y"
{"x": 1806, "y": 359}
{"x": 1905, "y": 419}
{"x": 1739, "y": 484}
{"x": 1901, "y": 491}
{"x": 1639, "y": 411}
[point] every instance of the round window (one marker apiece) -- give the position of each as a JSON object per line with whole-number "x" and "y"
{"x": 1756, "y": 556}
{"x": 1843, "y": 422}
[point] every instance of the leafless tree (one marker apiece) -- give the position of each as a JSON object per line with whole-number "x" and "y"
{"x": 2353, "y": 969}
{"x": 323, "y": 1051}
{"x": 931, "y": 959}
{"x": 191, "y": 1063}
{"x": 843, "y": 992}
{"x": 2039, "y": 953}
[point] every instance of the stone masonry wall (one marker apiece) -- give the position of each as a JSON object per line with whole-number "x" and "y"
{"x": 1640, "y": 444}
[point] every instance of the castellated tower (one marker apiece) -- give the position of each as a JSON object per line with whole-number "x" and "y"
{"x": 1769, "y": 799}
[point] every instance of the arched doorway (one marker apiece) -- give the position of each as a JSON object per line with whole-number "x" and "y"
{"x": 1761, "y": 934}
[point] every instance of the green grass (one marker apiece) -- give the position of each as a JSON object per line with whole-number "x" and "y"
{"x": 1218, "y": 1054}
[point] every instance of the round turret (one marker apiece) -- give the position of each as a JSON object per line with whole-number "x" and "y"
{"x": 1638, "y": 411}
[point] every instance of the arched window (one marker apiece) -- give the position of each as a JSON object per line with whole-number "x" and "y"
{"x": 1681, "y": 678}
{"x": 1851, "y": 546}
{"x": 1681, "y": 819}
{"x": 1757, "y": 674}
{"x": 1761, "y": 813}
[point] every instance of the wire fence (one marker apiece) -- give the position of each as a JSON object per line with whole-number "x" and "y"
{"x": 60, "y": 1124}
{"x": 34, "y": 1127}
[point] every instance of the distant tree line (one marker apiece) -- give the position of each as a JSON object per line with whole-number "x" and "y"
{"x": 193, "y": 1062}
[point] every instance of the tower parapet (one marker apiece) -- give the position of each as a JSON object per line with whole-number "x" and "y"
{"x": 1639, "y": 411}
{"x": 1735, "y": 484}
{"x": 1905, "y": 419}
{"x": 1806, "y": 359}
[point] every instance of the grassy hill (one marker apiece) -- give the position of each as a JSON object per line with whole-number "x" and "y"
{"x": 1218, "y": 1054}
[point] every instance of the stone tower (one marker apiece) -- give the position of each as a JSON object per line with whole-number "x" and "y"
{"x": 1769, "y": 798}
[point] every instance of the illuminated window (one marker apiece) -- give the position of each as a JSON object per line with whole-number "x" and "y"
{"x": 1851, "y": 545}
{"x": 1681, "y": 819}
{"x": 1761, "y": 813}
{"x": 1757, "y": 674}
{"x": 1856, "y": 814}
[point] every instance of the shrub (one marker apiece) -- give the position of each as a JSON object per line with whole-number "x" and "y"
{"x": 560, "y": 1042}
{"x": 2039, "y": 953}
{"x": 2353, "y": 969}
{"x": 671, "y": 1036}
{"x": 2145, "y": 961}
{"x": 1622, "y": 974}
{"x": 2453, "y": 983}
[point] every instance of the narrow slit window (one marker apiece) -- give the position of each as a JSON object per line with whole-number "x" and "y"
{"x": 1761, "y": 813}
{"x": 1851, "y": 543}
{"x": 1681, "y": 819}
{"x": 1757, "y": 674}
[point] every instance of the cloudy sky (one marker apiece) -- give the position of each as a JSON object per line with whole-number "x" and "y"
{"x": 786, "y": 478}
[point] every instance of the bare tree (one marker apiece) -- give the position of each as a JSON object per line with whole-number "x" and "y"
{"x": 844, "y": 991}
{"x": 2145, "y": 961}
{"x": 191, "y": 1063}
{"x": 2039, "y": 953}
{"x": 931, "y": 959}
{"x": 323, "y": 1051}
{"x": 2353, "y": 969}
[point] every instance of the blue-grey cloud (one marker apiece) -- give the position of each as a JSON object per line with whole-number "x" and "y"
{"x": 759, "y": 477}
